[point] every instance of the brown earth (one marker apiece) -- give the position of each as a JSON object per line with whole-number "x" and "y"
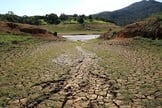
{"x": 147, "y": 28}
{"x": 111, "y": 33}
{"x": 144, "y": 28}
{"x": 24, "y": 29}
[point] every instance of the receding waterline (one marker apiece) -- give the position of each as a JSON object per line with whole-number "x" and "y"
{"x": 80, "y": 37}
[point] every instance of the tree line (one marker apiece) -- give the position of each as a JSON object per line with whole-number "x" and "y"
{"x": 43, "y": 20}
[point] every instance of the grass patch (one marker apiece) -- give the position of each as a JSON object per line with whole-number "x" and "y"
{"x": 86, "y": 21}
{"x": 16, "y": 39}
{"x": 127, "y": 97}
{"x": 154, "y": 46}
{"x": 152, "y": 104}
{"x": 92, "y": 28}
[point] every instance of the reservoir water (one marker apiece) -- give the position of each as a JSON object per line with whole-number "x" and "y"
{"x": 80, "y": 37}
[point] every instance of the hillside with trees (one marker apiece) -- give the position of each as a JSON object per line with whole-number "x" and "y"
{"x": 132, "y": 13}
{"x": 49, "y": 19}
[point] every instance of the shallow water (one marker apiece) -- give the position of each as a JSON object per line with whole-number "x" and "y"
{"x": 80, "y": 37}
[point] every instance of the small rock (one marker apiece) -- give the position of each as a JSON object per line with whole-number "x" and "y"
{"x": 93, "y": 97}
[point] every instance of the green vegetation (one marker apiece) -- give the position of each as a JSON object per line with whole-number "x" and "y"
{"x": 86, "y": 21}
{"x": 73, "y": 24}
{"x": 155, "y": 46}
{"x": 6, "y": 40}
{"x": 93, "y": 28}
{"x": 49, "y": 19}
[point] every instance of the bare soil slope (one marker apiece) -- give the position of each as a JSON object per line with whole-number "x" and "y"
{"x": 149, "y": 28}
{"x": 24, "y": 29}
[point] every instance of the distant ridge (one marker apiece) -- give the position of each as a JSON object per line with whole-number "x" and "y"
{"x": 132, "y": 13}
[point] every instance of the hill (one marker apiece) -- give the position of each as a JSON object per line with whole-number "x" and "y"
{"x": 132, "y": 13}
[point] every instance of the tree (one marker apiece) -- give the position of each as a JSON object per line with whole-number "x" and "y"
{"x": 63, "y": 17}
{"x": 13, "y": 18}
{"x": 80, "y": 20}
{"x": 83, "y": 16}
{"x": 75, "y": 15}
{"x": 90, "y": 18}
{"x": 52, "y": 19}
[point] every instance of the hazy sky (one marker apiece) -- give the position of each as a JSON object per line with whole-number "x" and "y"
{"x": 42, "y": 7}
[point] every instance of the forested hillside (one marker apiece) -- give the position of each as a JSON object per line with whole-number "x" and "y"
{"x": 132, "y": 13}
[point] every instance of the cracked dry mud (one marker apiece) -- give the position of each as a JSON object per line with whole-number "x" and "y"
{"x": 108, "y": 74}
{"x": 80, "y": 87}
